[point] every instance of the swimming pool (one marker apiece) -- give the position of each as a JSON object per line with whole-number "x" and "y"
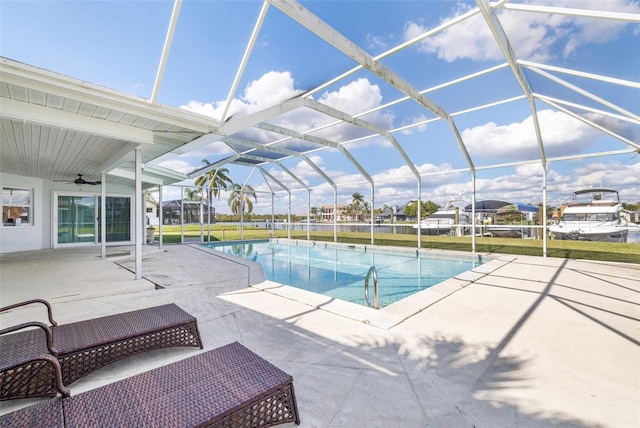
{"x": 339, "y": 271}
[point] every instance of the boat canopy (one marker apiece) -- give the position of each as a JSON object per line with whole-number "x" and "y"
{"x": 580, "y": 192}
{"x": 492, "y": 206}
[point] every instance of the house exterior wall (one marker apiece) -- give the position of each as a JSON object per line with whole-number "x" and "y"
{"x": 26, "y": 237}
{"x": 38, "y": 236}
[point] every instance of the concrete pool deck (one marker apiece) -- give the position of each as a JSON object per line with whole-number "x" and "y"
{"x": 531, "y": 342}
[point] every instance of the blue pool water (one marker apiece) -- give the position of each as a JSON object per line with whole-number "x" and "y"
{"x": 340, "y": 271}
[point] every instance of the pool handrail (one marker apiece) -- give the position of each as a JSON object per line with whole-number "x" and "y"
{"x": 374, "y": 271}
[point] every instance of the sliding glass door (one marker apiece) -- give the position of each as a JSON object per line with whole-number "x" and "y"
{"x": 118, "y": 219}
{"x": 78, "y": 219}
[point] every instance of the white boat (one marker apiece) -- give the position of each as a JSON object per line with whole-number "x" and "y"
{"x": 450, "y": 219}
{"x": 592, "y": 215}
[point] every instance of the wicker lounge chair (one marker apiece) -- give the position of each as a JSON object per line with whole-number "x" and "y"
{"x": 227, "y": 387}
{"x": 84, "y": 346}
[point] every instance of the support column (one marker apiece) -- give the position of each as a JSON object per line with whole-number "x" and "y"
{"x": 103, "y": 216}
{"x": 419, "y": 211}
{"x": 160, "y": 216}
{"x": 544, "y": 211}
{"x": 308, "y": 215}
{"x": 473, "y": 212}
{"x": 335, "y": 214}
{"x": 372, "y": 212}
{"x": 138, "y": 223}
{"x": 289, "y": 218}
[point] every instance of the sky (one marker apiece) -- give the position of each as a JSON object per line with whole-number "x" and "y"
{"x": 118, "y": 44}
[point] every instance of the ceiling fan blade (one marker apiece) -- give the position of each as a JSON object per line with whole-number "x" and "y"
{"x": 80, "y": 181}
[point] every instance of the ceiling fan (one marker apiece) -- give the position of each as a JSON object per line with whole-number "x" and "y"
{"x": 80, "y": 181}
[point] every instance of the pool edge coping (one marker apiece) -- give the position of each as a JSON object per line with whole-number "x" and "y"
{"x": 398, "y": 312}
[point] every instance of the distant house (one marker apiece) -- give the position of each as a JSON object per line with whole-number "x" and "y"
{"x": 152, "y": 210}
{"x": 388, "y": 215}
{"x": 191, "y": 210}
{"x": 398, "y": 212}
{"x": 328, "y": 213}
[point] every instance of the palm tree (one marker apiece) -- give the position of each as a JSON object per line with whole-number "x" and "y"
{"x": 357, "y": 203}
{"x": 191, "y": 195}
{"x": 365, "y": 208}
{"x": 241, "y": 196}
{"x": 349, "y": 210}
{"x": 315, "y": 211}
{"x": 215, "y": 180}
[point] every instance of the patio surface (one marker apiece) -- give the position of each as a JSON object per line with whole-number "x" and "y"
{"x": 523, "y": 341}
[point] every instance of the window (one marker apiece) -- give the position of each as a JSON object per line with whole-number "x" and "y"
{"x": 17, "y": 209}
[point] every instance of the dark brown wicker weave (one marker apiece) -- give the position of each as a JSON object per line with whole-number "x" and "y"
{"x": 85, "y": 346}
{"x": 227, "y": 387}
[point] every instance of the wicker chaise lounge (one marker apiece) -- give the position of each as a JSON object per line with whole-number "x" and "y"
{"x": 226, "y": 387}
{"x": 84, "y": 346}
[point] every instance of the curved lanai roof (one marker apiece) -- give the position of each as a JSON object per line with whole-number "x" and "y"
{"x": 406, "y": 98}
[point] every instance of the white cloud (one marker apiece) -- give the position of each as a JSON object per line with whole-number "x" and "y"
{"x": 561, "y": 135}
{"x": 177, "y": 165}
{"x": 274, "y": 87}
{"x": 532, "y": 35}
{"x": 355, "y": 97}
{"x": 270, "y": 89}
{"x": 412, "y": 120}
{"x": 376, "y": 43}
{"x": 206, "y": 109}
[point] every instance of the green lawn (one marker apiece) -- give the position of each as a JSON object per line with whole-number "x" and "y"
{"x": 604, "y": 251}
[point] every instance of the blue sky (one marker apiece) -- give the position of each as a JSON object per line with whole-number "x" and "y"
{"x": 118, "y": 44}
